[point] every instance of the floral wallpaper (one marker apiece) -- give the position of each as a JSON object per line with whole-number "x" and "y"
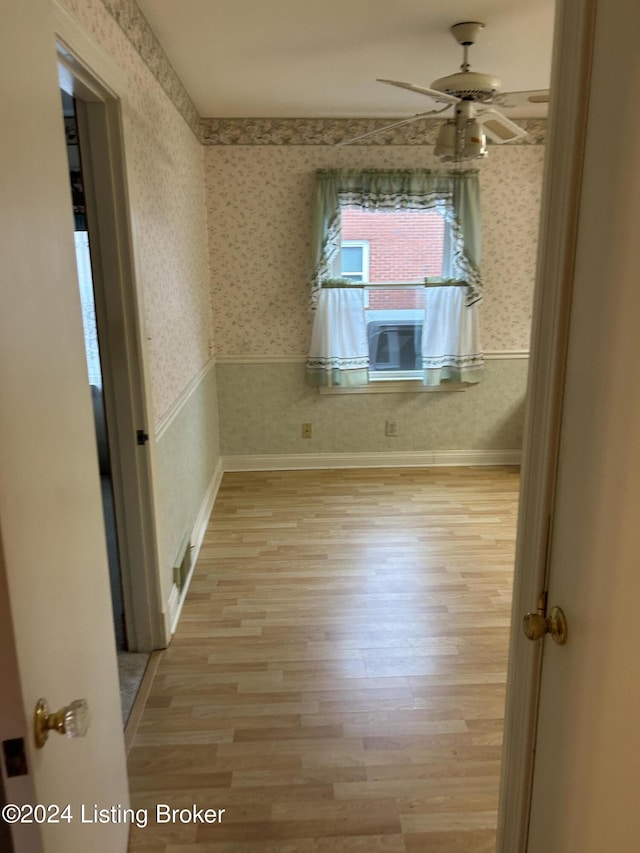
{"x": 135, "y": 26}
{"x": 328, "y": 131}
{"x": 165, "y": 164}
{"x": 511, "y": 193}
{"x": 259, "y": 202}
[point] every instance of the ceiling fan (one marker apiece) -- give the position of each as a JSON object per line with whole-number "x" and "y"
{"x": 474, "y": 96}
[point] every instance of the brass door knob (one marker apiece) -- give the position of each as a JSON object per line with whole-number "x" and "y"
{"x": 536, "y": 625}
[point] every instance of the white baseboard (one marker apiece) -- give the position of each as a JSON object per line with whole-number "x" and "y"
{"x": 200, "y": 526}
{"x": 401, "y": 459}
{"x": 177, "y": 597}
{"x": 172, "y": 613}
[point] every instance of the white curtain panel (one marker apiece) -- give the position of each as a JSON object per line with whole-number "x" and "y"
{"x": 450, "y": 340}
{"x": 339, "y": 354}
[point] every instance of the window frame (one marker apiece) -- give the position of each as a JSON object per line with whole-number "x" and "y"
{"x": 391, "y": 375}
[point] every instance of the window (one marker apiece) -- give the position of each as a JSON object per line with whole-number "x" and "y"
{"x": 354, "y": 260}
{"x": 394, "y": 246}
{"x": 378, "y": 239}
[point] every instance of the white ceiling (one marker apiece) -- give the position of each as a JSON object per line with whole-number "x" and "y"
{"x": 296, "y": 58}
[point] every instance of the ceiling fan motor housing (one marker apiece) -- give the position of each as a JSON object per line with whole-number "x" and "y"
{"x": 469, "y": 86}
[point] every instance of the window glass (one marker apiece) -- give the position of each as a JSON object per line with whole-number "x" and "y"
{"x": 354, "y": 260}
{"x": 402, "y": 246}
{"x": 351, "y": 259}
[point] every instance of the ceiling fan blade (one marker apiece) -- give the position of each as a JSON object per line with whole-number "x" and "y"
{"x": 520, "y": 99}
{"x": 438, "y": 97}
{"x": 389, "y": 127}
{"x": 498, "y": 127}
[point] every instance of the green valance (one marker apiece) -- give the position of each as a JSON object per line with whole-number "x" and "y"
{"x": 405, "y": 189}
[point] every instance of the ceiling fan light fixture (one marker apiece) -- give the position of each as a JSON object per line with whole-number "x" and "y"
{"x": 474, "y": 141}
{"x": 446, "y": 142}
{"x": 499, "y": 128}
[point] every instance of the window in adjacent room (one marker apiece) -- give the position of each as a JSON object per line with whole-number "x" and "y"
{"x": 354, "y": 260}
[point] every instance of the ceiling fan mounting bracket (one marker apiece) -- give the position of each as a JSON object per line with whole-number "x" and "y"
{"x": 466, "y": 32}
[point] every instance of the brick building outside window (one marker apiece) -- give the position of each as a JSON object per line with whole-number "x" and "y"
{"x": 397, "y": 246}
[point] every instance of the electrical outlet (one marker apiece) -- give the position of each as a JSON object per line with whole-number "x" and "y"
{"x": 306, "y": 430}
{"x": 391, "y": 428}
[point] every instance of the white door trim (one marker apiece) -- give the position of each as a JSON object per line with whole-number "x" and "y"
{"x": 102, "y": 86}
{"x": 573, "y": 41}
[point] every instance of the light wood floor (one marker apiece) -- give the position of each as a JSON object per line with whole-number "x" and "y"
{"x": 337, "y": 679}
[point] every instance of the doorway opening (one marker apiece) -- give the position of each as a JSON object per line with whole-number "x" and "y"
{"x": 114, "y": 367}
{"x": 94, "y": 365}
{"x": 131, "y": 665}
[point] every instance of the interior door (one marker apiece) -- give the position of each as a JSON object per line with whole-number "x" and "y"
{"x": 587, "y": 763}
{"x": 50, "y": 512}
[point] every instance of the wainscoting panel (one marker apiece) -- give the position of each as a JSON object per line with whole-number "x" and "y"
{"x": 187, "y": 453}
{"x": 263, "y": 407}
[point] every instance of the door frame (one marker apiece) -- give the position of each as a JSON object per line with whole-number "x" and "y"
{"x": 572, "y": 57}
{"x": 100, "y": 87}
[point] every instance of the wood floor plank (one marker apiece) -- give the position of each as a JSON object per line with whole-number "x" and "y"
{"x": 337, "y": 679}
{"x": 331, "y": 844}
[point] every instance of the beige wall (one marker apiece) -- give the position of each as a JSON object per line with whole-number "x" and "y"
{"x": 259, "y": 203}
